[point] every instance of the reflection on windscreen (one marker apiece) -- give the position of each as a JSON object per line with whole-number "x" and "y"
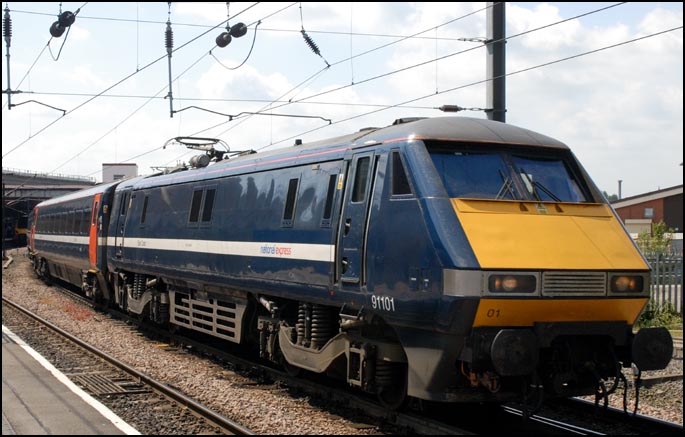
{"x": 501, "y": 175}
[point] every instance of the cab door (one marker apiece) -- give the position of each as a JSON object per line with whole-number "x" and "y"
{"x": 353, "y": 223}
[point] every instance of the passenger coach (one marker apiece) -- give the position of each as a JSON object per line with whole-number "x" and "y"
{"x": 68, "y": 237}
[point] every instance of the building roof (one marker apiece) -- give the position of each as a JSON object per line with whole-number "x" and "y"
{"x": 646, "y": 197}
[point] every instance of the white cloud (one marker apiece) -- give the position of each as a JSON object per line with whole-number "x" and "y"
{"x": 619, "y": 109}
{"x": 79, "y": 33}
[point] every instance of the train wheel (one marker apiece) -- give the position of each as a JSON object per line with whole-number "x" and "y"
{"x": 44, "y": 272}
{"x": 392, "y": 398}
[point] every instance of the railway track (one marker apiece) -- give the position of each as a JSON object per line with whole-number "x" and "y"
{"x": 116, "y": 384}
{"x": 471, "y": 420}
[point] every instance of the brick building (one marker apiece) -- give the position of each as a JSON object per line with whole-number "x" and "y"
{"x": 639, "y": 212}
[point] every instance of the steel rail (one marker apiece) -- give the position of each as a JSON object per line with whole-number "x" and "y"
{"x": 222, "y": 422}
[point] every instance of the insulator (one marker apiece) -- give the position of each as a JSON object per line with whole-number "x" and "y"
{"x": 238, "y": 30}
{"x": 7, "y": 26}
{"x": 56, "y": 30}
{"x": 451, "y": 108}
{"x": 66, "y": 18}
{"x": 312, "y": 45}
{"x": 169, "y": 37}
{"x": 223, "y": 40}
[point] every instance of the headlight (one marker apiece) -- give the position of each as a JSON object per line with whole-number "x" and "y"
{"x": 511, "y": 283}
{"x": 627, "y": 284}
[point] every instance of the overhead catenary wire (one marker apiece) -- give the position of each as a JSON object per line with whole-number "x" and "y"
{"x": 264, "y": 29}
{"x": 302, "y": 100}
{"x": 523, "y": 70}
{"x": 299, "y": 135}
{"x": 128, "y": 117}
{"x": 373, "y": 78}
{"x": 115, "y": 85}
{"x": 211, "y": 28}
{"x": 208, "y": 99}
{"x": 138, "y": 109}
{"x": 337, "y": 63}
{"x": 420, "y": 64}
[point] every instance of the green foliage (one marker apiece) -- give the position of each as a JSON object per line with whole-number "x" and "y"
{"x": 658, "y": 242}
{"x": 666, "y": 316}
{"x": 610, "y": 197}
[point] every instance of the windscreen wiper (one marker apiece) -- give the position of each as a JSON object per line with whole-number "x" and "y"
{"x": 536, "y": 184}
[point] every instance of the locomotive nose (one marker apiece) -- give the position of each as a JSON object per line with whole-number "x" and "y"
{"x": 652, "y": 348}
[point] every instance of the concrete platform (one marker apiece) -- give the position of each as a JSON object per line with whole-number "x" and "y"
{"x": 38, "y": 399}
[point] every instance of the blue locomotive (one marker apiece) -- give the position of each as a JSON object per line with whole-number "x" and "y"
{"x": 446, "y": 259}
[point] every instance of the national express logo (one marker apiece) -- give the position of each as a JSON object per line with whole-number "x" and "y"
{"x": 272, "y": 249}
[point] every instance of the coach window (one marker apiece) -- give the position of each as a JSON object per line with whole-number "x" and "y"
{"x": 78, "y": 218}
{"x": 208, "y": 205}
{"x": 328, "y": 208}
{"x": 71, "y": 223}
{"x": 195, "y": 206}
{"x": 400, "y": 182}
{"x": 142, "y": 216}
{"x": 84, "y": 222}
{"x": 201, "y": 206}
{"x": 289, "y": 210}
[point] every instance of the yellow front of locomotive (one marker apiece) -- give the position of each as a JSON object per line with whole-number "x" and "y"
{"x": 561, "y": 282}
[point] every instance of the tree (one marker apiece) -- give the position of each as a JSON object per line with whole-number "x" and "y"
{"x": 610, "y": 197}
{"x": 658, "y": 242}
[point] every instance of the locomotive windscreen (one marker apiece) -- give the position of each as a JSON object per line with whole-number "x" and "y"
{"x": 505, "y": 175}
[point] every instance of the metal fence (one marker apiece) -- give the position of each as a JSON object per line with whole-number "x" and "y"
{"x": 667, "y": 281}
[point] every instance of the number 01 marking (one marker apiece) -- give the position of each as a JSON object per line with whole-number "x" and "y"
{"x": 492, "y": 312}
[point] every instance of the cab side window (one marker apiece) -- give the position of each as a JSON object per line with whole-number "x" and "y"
{"x": 400, "y": 181}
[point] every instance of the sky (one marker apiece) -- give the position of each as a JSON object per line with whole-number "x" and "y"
{"x": 604, "y": 78}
